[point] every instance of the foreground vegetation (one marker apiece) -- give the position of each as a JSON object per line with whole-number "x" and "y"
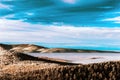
{"x": 19, "y": 66}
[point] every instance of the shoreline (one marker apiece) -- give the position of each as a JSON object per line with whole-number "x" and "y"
{"x": 32, "y": 48}
{"x": 20, "y": 66}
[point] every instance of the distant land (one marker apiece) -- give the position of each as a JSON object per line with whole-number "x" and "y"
{"x": 31, "y": 48}
{"x": 20, "y": 66}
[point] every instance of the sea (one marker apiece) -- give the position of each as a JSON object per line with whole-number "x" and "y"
{"x": 82, "y": 58}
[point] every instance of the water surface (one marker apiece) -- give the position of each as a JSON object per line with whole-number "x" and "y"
{"x": 84, "y": 58}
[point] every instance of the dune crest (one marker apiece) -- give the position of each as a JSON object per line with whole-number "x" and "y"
{"x": 31, "y": 48}
{"x": 9, "y": 57}
{"x": 20, "y": 66}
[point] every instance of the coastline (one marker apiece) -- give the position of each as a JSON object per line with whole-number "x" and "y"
{"x": 20, "y": 66}
{"x": 32, "y": 48}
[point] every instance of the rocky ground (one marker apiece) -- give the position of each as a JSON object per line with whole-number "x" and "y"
{"x": 31, "y": 48}
{"x": 19, "y": 66}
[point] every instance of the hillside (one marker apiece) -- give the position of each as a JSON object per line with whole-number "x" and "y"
{"x": 20, "y": 66}
{"x": 31, "y": 48}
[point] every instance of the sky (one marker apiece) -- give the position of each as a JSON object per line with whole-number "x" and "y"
{"x": 79, "y": 24}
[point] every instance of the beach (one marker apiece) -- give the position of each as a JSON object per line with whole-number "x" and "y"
{"x": 20, "y": 66}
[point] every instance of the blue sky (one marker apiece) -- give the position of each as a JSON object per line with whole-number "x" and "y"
{"x": 87, "y": 24}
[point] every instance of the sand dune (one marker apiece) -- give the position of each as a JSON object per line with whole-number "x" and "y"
{"x": 19, "y": 66}
{"x": 31, "y": 48}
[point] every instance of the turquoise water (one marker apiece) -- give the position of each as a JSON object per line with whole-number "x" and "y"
{"x": 84, "y": 58}
{"x": 70, "y": 45}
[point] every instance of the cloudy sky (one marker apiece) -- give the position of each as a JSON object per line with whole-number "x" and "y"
{"x": 81, "y": 24}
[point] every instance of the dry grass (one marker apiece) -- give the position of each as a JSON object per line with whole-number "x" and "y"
{"x": 101, "y": 71}
{"x": 19, "y": 66}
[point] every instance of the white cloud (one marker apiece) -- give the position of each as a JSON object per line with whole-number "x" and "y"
{"x": 29, "y": 13}
{"x": 18, "y": 31}
{"x": 115, "y": 19}
{"x": 3, "y": 6}
{"x": 69, "y": 1}
{"x": 8, "y": 16}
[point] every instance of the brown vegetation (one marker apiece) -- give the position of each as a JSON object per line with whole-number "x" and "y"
{"x": 101, "y": 71}
{"x": 19, "y": 66}
{"x": 30, "y": 48}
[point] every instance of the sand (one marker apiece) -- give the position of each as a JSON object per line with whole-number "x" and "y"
{"x": 20, "y": 66}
